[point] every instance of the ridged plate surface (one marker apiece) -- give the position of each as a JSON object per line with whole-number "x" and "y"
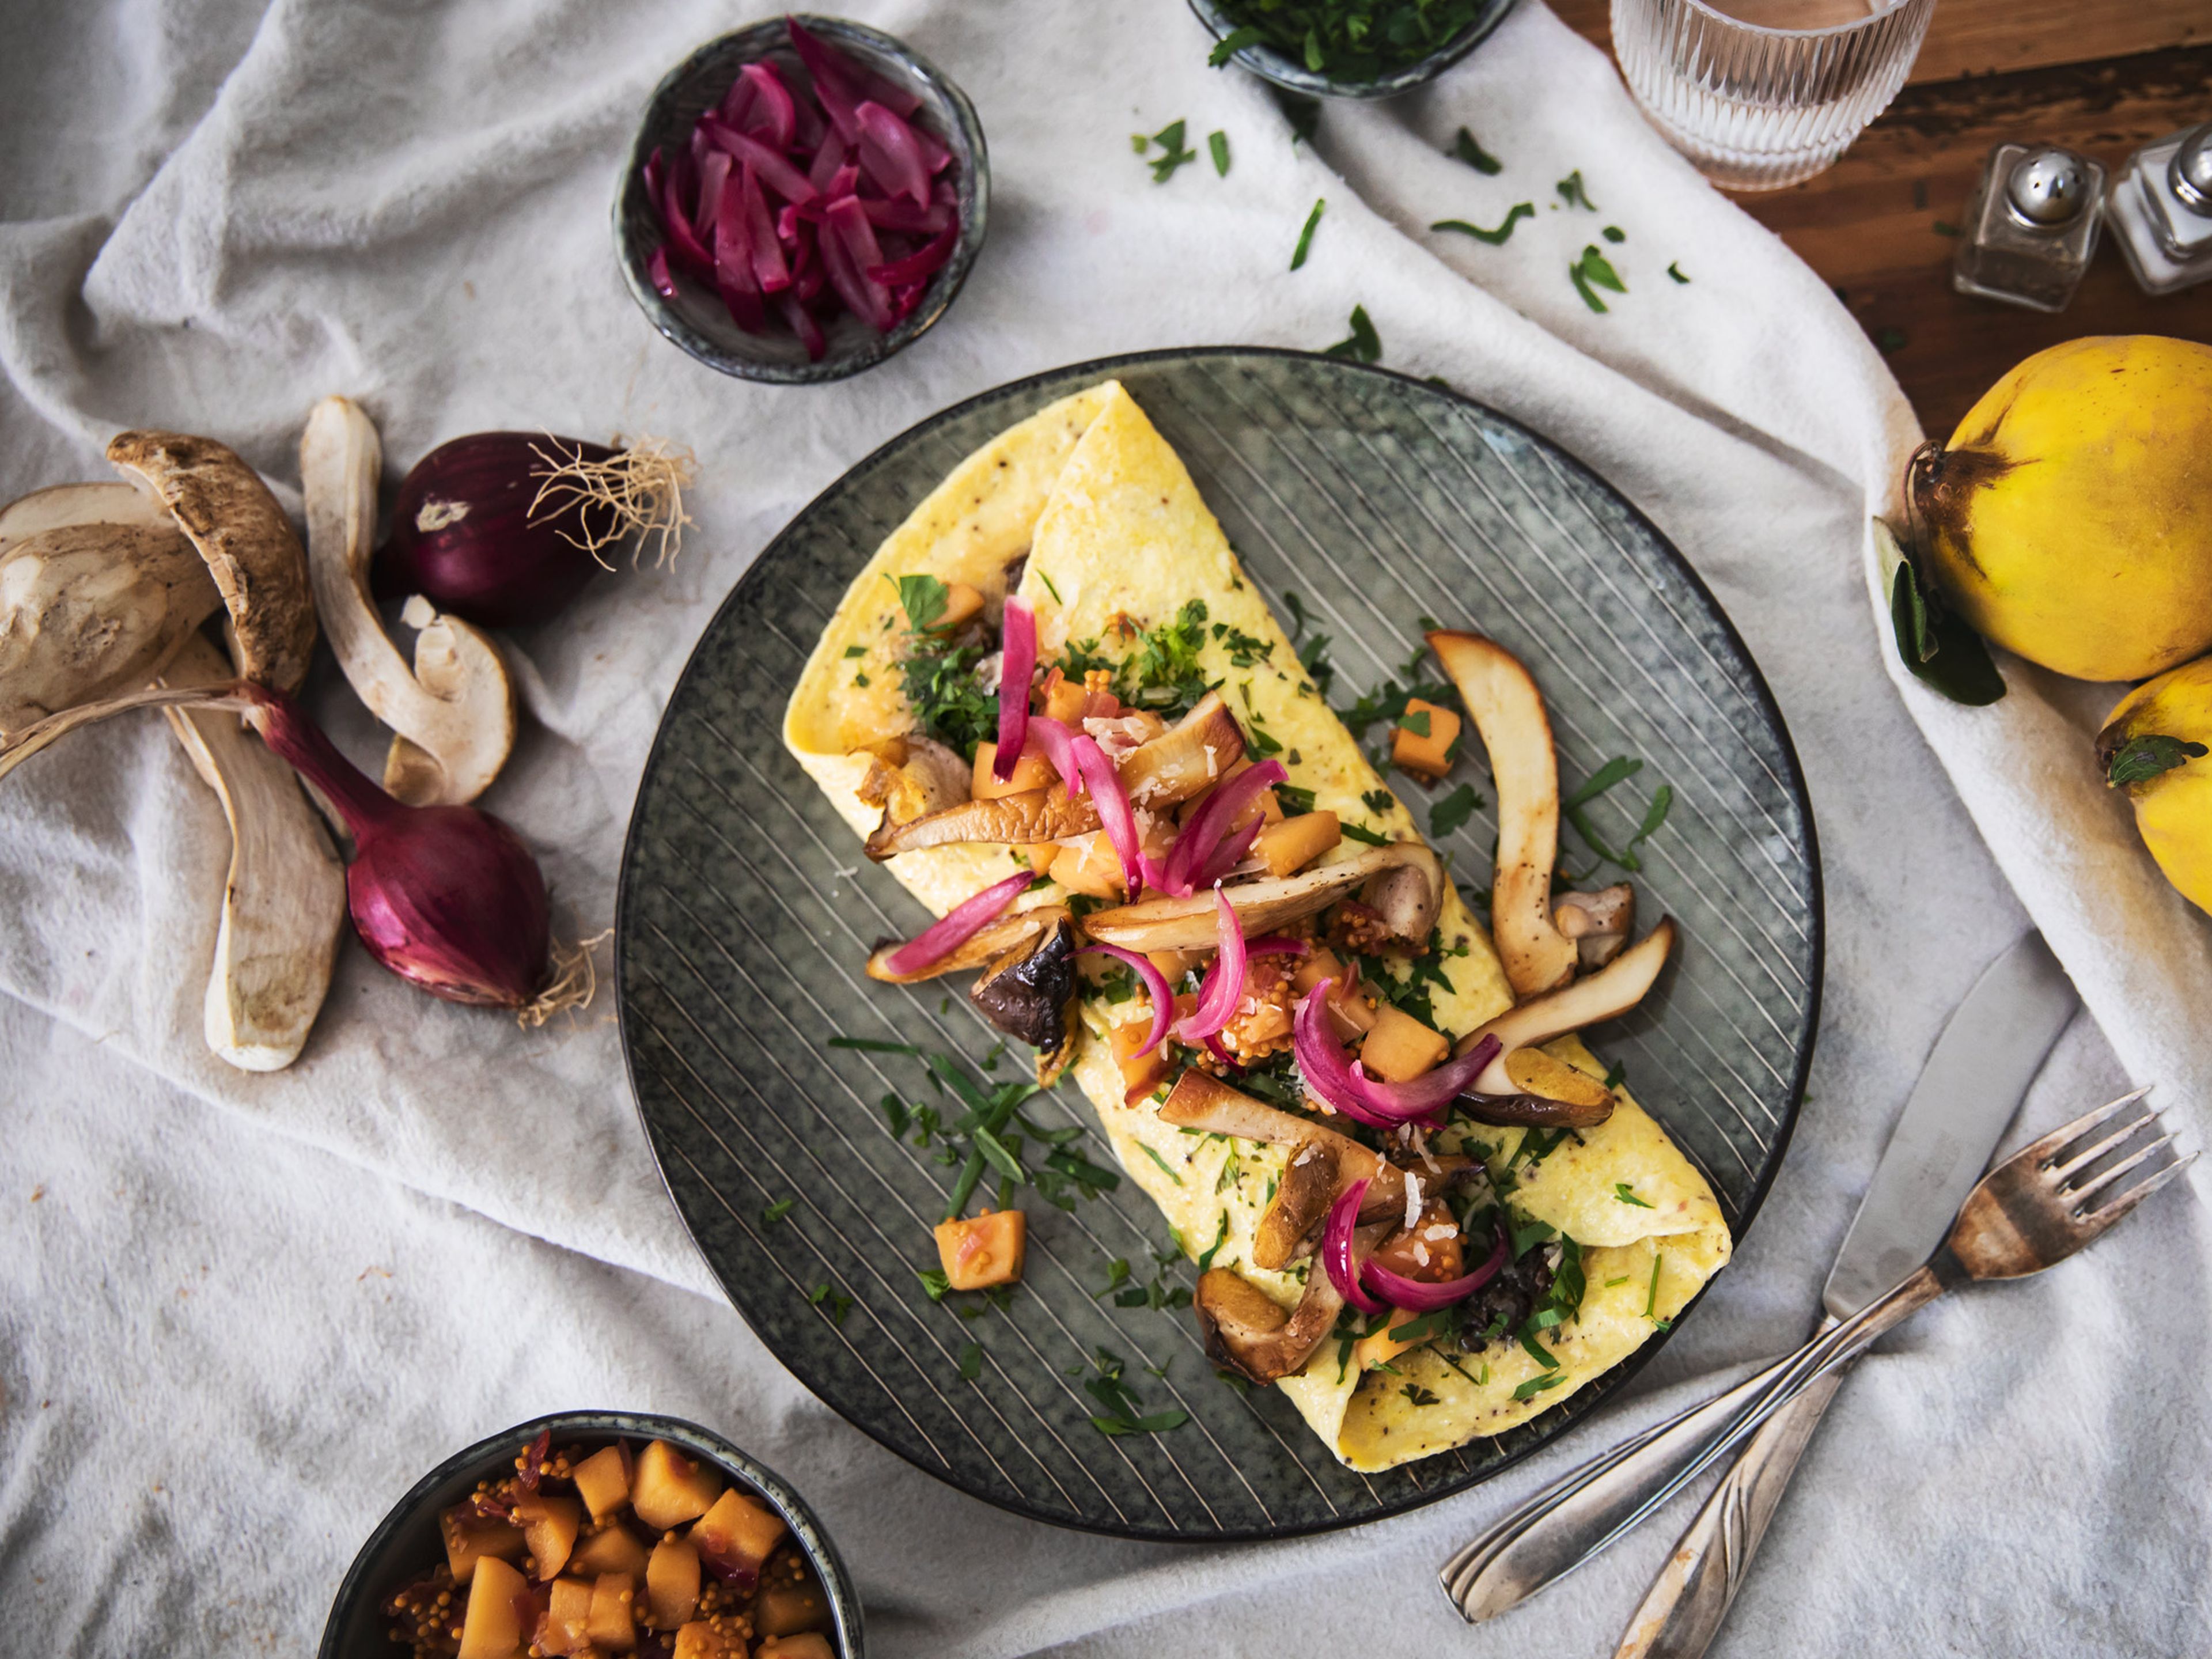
{"x": 747, "y": 908}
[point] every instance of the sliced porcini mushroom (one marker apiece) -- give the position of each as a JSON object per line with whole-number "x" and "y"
{"x": 1404, "y": 901}
{"x": 1029, "y": 994}
{"x": 1607, "y": 994}
{"x": 60, "y": 506}
{"x": 1263, "y": 906}
{"x": 455, "y": 711}
{"x": 284, "y": 901}
{"x": 1508, "y": 710}
{"x": 1023, "y": 817}
{"x": 912, "y": 776}
{"x": 1290, "y": 1226}
{"x": 1014, "y": 932}
{"x": 1599, "y": 923}
{"x": 1246, "y": 1330}
{"x": 1190, "y": 757}
{"x": 1200, "y": 1100}
{"x": 90, "y": 609}
{"x": 223, "y": 507}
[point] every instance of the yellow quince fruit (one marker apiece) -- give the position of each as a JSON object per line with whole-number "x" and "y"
{"x": 2070, "y": 518}
{"x": 2157, "y": 746}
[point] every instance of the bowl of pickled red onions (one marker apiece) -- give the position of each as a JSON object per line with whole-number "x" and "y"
{"x": 804, "y": 198}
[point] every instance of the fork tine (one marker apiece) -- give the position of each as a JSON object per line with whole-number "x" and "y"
{"x": 2107, "y": 1177}
{"x": 2135, "y": 1194}
{"x": 2067, "y": 1133}
{"x": 2059, "y": 1172}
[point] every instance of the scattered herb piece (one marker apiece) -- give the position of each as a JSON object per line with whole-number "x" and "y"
{"x": 1122, "y": 1409}
{"x": 1306, "y": 235}
{"x": 1452, "y": 812}
{"x": 1360, "y": 832}
{"x": 1172, "y": 154}
{"x": 1217, "y": 144}
{"x": 895, "y": 1115}
{"x": 1497, "y": 238}
{"x": 776, "y": 1212}
{"x": 1362, "y": 344}
{"x": 1614, "y": 233}
{"x": 971, "y": 1362}
{"x": 1050, "y": 589}
{"x": 923, "y": 597}
{"x": 1537, "y": 1351}
{"x": 1163, "y": 1163}
{"x": 1675, "y": 271}
{"x": 1117, "y": 1275}
{"x": 1295, "y": 800}
{"x": 1889, "y": 339}
{"x": 1616, "y": 1074}
{"x": 1573, "y": 193}
{"x": 871, "y": 1046}
{"x": 934, "y": 1283}
{"x": 833, "y": 1300}
{"x": 1205, "y": 1257}
{"x": 2141, "y": 759}
{"x": 1626, "y": 1194}
{"x": 1417, "y": 723}
{"x": 1417, "y": 1394}
{"x": 1611, "y": 1282}
{"x": 1651, "y": 1298}
{"x": 1593, "y": 268}
{"x": 1378, "y": 801}
{"x": 1536, "y": 1385}
{"x": 852, "y": 651}
{"x": 1464, "y": 149}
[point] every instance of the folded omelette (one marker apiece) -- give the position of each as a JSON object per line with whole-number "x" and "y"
{"x": 1087, "y": 514}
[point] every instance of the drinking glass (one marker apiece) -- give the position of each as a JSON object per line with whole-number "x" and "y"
{"x": 1761, "y": 94}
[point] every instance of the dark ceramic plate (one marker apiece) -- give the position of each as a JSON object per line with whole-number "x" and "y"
{"x": 747, "y": 907}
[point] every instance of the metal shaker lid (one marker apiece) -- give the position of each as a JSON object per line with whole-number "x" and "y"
{"x": 2191, "y": 171}
{"x": 2049, "y": 188}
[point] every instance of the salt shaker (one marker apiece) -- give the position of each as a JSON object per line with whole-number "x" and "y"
{"x": 2030, "y": 227}
{"x": 2163, "y": 211}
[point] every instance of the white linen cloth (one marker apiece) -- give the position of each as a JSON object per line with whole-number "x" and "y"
{"x": 240, "y": 1314}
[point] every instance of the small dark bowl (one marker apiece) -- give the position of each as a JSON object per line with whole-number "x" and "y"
{"x": 1292, "y": 73}
{"x": 406, "y": 1543}
{"x": 696, "y": 319}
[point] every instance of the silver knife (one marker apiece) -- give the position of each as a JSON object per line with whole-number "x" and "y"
{"x": 1973, "y": 1085}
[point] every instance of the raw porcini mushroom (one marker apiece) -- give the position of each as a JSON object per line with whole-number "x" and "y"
{"x": 90, "y": 609}
{"x": 1008, "y": 934}
{"x": 454, "y": 713}
{"x": 1508, "y": 710}
{"x": 1599, "y": 923}
{"x": 1273, "y": 901}
{"x": 1405, "y": 900}
{"x": 1290, "y": 1226}
{"x": 1029, "y": 994}
{"x": 1200, "y": 1100}
{"x": 1606, "y": 994}
{"x": 1246, "y": 1330}
{"x": 1018, "y": 819}
{"x": 911, "y": 776}
{"x": 284, "y": 901}
{"x": 223, "y": 507}
{"x": 59, "y": 506}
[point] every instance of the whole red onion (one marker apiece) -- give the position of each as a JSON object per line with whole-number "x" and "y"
{"x": 464, "y": 534}
{"x": 448, "y": 898}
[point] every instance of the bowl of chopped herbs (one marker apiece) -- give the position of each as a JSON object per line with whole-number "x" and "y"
{"x": 1347, "y": 48}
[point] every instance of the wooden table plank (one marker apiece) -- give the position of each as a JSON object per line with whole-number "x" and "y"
{"x": 1987, "y": 37}
{"x": 1869, "y": 224}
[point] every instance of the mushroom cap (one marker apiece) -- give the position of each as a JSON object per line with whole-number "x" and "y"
{"x": 257, "y": 563}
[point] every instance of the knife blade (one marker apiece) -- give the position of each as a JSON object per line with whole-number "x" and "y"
{"x": 1974, "y": 1079}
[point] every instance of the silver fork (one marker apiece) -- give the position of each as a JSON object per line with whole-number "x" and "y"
{"x": 2029, "y": 1212}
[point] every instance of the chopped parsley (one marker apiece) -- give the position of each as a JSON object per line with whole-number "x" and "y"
{"x": 1417, "y": 722}
{"x": 1163, "y": 1163}
{"x": 1121, "y": 1411}
{"x": 1452, "y": 812}
{"x": 1162, "y": 674}
{"x": 1625, "y": 1194}
{"x": 1496, "y": 237}
{"x": 1360, "y": 832}
{"x": 1362, "y": 344}
{"x": 971, "y": 1362}
{"x": 852, "y": 651}
{"x": 948, "y": 702}
{"x": 1217, "y": 145}
{"x": 1675, "y": 271}
{"x": 1345, "y": 39}
{"x": 1206, "y": 1259}
{"x": 1388, "y": 703}
{"x": 832, "y": 1301}
{"x": 1117, "y": 1275}
{"x": 1417, "y": 1394}
{"x": 1245, "y": 650}
{"x": 1537, "y": 1351}
{"x": 1378, "y": 801}
{"x": 1464, "y": 149}
{"x": 1305, "y": 236}
{"x": 1536, "y": 1385}
{"x": 1173, "y": 153}
{"x": 776, "y": 1212}
{"x": 1573, "y": 193}
{"x": 1593, "y": 272}
{"x": 1614, "y": 233}
{"x": 934, "y": 1283}
{"x": 1616, "y": 770}
{"x": 1295, "y": 800}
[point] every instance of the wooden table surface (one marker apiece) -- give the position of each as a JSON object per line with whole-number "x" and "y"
{"x": 2099, "y": 77}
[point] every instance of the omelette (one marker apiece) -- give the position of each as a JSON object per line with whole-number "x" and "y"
{"x": 1534, "y": 1224}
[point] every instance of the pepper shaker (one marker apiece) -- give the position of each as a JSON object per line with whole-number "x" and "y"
{"x": 2030, "y": 227}
{"x": 2163, "y": 211}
